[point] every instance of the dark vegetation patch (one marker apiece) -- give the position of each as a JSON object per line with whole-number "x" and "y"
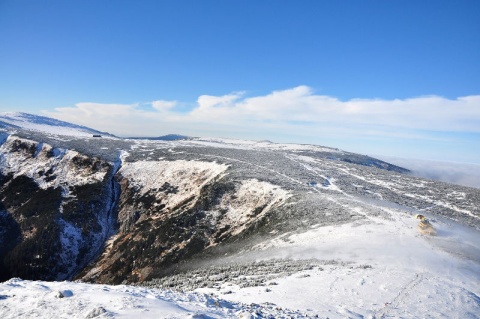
{"x": 4, "y": 179}
{"x": 82, "y": 210}
{"x": 36, "y": 257}
{"x": 24, "y": 147}
{"x": 243, "y": 274}
{"x": 90, "y": 164}
{"x": 43, "y": 204}
{"x": 18, "y": 191}
{"x": 10, "y": 236}
{"x": 31, "y": 222}
{"x": 168, "y": 189}
{"x": 31, "y": 211}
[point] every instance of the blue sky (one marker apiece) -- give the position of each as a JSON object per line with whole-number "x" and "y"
{"x": 289, "y": 71}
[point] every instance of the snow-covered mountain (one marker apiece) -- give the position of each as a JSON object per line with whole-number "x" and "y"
{"x": 25, "y": 121}
{"x": 286, "y": 226}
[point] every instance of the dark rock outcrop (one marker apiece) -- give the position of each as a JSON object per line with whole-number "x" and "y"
{"x": 55, "y": 210}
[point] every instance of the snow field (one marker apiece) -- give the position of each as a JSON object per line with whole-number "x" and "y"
{"x": 37, "y": 299}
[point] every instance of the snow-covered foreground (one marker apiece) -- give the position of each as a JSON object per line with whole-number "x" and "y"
{"x": 39, "y": 299}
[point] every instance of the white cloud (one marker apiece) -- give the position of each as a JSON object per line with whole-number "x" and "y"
{"x": 89, "y": 110}
{"x": 162, "y": 105}
{"x": 297, "y": 109}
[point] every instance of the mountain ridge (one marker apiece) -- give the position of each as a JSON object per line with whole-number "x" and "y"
{"x": 45, "y": 124}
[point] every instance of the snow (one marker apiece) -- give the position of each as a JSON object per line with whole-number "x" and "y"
{"x": 259, "y": 145}
{"x": 442, "y": 204}
{"x": 384, "y": 268}
{"x": 188, "y": 177}
{"x": 251, "y": 194}
{"x": 41, "y": 166}
{"x": 70, "y": 239}
{"x": 375, "y": 268}
{"x": 38, "y": 299}
{"x": 66, "y": 173}
{"x": 46, "y": 125}
{"x": 402, "y": 185}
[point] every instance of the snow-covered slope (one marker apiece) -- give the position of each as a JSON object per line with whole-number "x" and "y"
{"x": 19, "y": 120}
{"x": 331, "y": 233}
{"x": 380, "y": 267}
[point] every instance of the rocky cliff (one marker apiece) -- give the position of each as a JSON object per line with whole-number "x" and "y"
{"x": 57, "y": 209}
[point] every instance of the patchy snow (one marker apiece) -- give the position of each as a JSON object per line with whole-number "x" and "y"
{"x": 260, "y": 145}
{"x": 70, "y": 239}
{"x": 185, "y": 177}
{"x": 64, "y": 169}
{"x": 383, "y": 267}
{"x": 22, "y": 163}
{"x": 38, "y": 299}
{"x": 442, "y": 204}
{"x": 251, "y": 201}
{"x": 403, "y": 186}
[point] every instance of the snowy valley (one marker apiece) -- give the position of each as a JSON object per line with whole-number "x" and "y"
{"x": 223, "y": 228}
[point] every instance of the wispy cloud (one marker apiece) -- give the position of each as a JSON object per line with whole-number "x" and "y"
{"x": 297, "y": 110}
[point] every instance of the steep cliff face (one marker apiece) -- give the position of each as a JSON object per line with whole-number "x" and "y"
{"x": 171, "y": 210}
{"x": 55, "y": 209}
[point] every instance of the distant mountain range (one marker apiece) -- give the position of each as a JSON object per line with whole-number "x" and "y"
{"x": 168, "y": 137}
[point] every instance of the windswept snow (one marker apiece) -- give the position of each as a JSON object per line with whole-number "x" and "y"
{"x": 38, "y": 299}
{"x": 383, "y": 269}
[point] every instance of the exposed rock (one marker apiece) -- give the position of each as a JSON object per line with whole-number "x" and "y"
{"x": 59, "y": 295}
{"x": 194, "y": 208}
{"x": 55, "y": 209}
{"x": 96, "y": 312}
